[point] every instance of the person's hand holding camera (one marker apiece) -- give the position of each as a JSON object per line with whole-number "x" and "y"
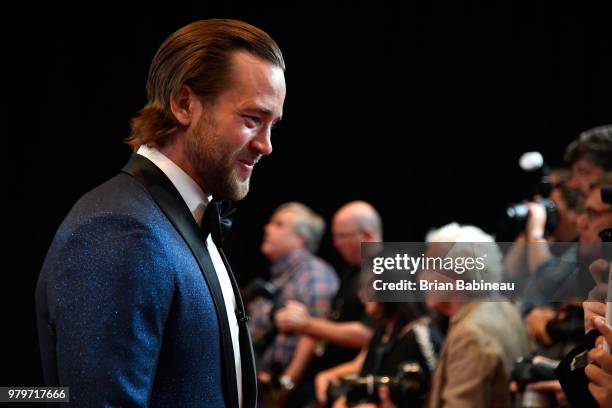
{"x": 322, "y": 382}
{"x": 600, "y": 366}
{"x": 536, "y": 222}
{"x": 384, "y": 394}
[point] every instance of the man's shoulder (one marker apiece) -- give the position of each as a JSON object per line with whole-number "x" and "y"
{"x": 320, "y": 277}
{"x": 116, "y": 226}
{"x": 492, "y": 313}
{"x": 477, "y": 321}
{"x": 316, "y": 266}
{"x": 465, "y": 330}
{"x": 467, "y": 340}
{"x": 120, "y": 193}
{"x": 321, "y": 262}
{"x": 119, "y": 209}
{"x": 496, "y": 326}
{"x": 121, "y": 197}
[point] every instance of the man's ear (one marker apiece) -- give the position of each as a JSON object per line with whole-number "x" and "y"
{"x": 368, "y": 234}
{"x": 302, "y": 240}
{"x": 185, "y": 105}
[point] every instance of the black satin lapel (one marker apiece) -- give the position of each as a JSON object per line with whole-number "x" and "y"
{"x": 249, "y": 373}
{"x": 172, "y": 204}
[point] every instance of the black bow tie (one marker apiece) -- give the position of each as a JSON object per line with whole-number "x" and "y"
{"x": 215, "y": 221}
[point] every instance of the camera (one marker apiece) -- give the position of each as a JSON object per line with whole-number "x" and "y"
{"x": 569, "y": 328}
{"x": 259, "y": 287}
{"x": 530, "y": 370}
{"x": 535, "y": 182}
{"x": 408, "y": 385}
{"x": 517, "y": 215}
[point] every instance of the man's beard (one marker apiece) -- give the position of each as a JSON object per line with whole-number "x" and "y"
{"x": 213, "y": 162}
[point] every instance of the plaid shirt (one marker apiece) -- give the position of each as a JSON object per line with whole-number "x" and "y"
{"x": 299, "y": 276}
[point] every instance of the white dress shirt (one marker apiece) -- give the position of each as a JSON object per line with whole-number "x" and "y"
{"x": 196, "y": 200}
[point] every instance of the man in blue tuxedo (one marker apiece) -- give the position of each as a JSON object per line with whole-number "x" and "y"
{"x": 136, "y": 303}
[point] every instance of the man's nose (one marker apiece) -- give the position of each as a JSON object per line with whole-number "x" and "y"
{"x": 573, "y": 182}
{"x": 263, "y": 142}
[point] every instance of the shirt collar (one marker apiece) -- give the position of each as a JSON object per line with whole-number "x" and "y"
{"x": 190, "y": 191}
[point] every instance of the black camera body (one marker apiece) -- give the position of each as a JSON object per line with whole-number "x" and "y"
{"x": 408, "y": 385}
{"x": 568, "y": 329}
{"x": 259, "y": 287}
{"x": 527, "y": 371}
{"x": 517, "y": 214}
{"x": 535, "y": 182}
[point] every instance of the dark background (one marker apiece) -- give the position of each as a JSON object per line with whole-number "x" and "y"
{"x": 421, "y": 110}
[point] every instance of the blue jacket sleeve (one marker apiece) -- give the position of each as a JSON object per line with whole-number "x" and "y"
{"x": 109, "y": 293}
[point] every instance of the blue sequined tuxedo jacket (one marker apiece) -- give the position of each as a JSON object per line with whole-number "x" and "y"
{"x": 129, "y": 308}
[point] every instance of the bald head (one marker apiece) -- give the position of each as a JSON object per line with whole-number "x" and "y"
{"x": 354, "y": 223}
{"x": 362, "y": 215}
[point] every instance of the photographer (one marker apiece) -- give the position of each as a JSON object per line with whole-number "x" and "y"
{"x": 596, "y": 218}
{"x": 585, "y": 372}
{"x": 532, "y": 258}
{"x": 550, "y": 267}
{"x": 346, "y": 329}
{"x": 403, "y": 333}
{"x": 291, "y": 237}
{"x": 558, "y": 276}
{"x": 589, "y": 158}
{"x": 572, "y": 372}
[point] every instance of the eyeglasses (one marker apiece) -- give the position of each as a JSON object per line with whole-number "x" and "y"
{"x": 345, "y": 235}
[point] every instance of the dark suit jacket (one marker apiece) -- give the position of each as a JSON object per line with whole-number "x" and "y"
{"x": 129, "y": 308}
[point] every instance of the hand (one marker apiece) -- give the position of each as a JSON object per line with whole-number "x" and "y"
{"x": 600, "y": 366}
{"x": 513, "y": 387}
{"x": 340, "y": 402}
{"x": 536, "y": 324}
{"x": 264, "y": 377}
{"x": 322, "y": 381}
{"x": 385, "y": 397}
{"x": 536, "y": 221}
{"x": 552, "y": 386}
{"x": 606, "y": 332}
{"x": 384, "y": 394}
{"x": 592, "y": 310}
{"x": 291, "y": 318}
{"x": 599, "y": 270}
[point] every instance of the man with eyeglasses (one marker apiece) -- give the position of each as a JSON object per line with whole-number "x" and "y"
{"x": 597, "y": 215}
{"x": 590, "y": 157}
{"x": 346, "y": 330}
{"x": 596, "y": 218}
